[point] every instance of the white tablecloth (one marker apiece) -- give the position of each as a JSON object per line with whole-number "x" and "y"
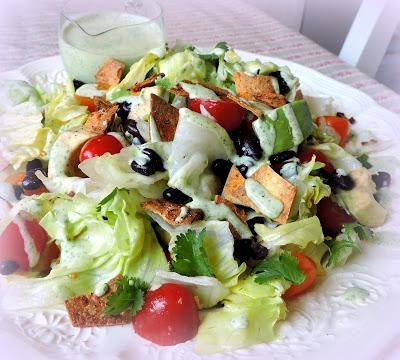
{"x": 28, "y": 31}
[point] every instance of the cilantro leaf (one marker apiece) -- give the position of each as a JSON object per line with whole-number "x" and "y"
{"x": 163, "y": 82}
{"x": 128, "y": 296}
{"x": 363, "y": 159}
{"x": 190, "y": 256}
{"x": 362, "y": 231}
{"x": 283, "y": 265}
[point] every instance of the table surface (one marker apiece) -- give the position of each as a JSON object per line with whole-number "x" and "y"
{"x": 28, "y": 31}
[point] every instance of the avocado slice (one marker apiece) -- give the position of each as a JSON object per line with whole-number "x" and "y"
{"x": 360, "y": 201}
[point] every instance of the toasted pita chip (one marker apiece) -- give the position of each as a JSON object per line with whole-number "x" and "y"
{"x": 246, "y": 106}
{"x": 173, "y": 213}
{"x": 178, "y": 91}
{"x": 102, "y": 103}
{"x": 165, "y": 116}
{"x": 151, "y": 81}
{"x": 299, "y": 95}
{"x": 278, "y": 187}
{"x": 109, "y": 74}
{"x": 234, "y": 189}
{"x": 87, "y": 310}
{"x": 257, "y": 88}
{"x": 99, "y": 121}
{"x": 240, "y": 213}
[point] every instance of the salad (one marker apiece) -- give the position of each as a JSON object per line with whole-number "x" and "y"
{"x": 192, "y": 195}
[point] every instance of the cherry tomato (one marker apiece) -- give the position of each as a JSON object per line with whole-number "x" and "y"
{"x": 226, "y": 112}
{"x": 341, "y": 125}
{"x": 38, "y": 191}
{"x": 50, "y": 253}
{"x": 12, "y": 242}
{"x": 305, "y": 155}
{"x": 310, "y": 271}
{"x": 169, "y": 316}
{"x": 86, "y": 101}
{"x": 100, "y": 145}
{"x": 332, "y": 216}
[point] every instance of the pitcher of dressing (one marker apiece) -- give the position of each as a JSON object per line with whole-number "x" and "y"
{"x": 93, "y": 30}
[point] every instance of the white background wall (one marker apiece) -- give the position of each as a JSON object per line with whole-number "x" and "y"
{"x": 327, "y": 23}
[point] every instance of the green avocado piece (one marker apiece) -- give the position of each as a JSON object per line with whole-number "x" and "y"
{"x": 360, "y": 201}
{"x": 284, "y": 134}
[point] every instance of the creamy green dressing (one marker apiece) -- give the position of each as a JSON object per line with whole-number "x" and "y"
{"x": 356, "y": 294}
{"x": 266, "y": 134}
{"x": 297, "y": 134}
{"x": 263, "y": 199}
{"x": 213, "y": 211}
{"x": 196, "y": 91}
{"x": 101, "y": 289}
{"x": 114, "y": 34}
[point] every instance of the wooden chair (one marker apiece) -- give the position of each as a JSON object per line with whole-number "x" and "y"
{"x": 370, "y": 34}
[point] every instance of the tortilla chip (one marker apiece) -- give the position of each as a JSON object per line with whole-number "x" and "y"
{"x": 171, "y": 212}
{"x": 151, "y": 81}
{"x": 109, "y": 74}
{"x": 99, "y": 121}
{"x": 246, "y": 106}
{"x": 87, "y": 310}
{"x": 240, "y": 213}
{"x": 165, "y": 116}
{"x": 299, "y": 95}
{"x": 257, "y": 88}
{"x": 278, "y": 187}
{"x": 234, "y": 189}
{"x": 178, "y": 91}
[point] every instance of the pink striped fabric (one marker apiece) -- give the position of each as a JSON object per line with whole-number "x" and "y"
{"x": 28, "y": 31}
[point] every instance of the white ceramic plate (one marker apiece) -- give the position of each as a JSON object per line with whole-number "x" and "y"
{"x": 321, "y": 324}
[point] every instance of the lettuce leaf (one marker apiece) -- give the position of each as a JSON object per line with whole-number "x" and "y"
{"x": 248, "y": 317}
{"x": 137, "y": 73}
{"x": 98, "y": 241}
{"x": 208, "y": 290}
{"x": 64, "y": 112}
{"x": 299, "y": 233}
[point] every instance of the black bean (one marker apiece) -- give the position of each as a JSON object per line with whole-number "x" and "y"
{"x": 221, "y": 168}
{"x": 34, "y": 164}
{"x": 176, "y": 196}
{"x": 340, "y": 114}
{"x": 248, "y": 145}
{"x": 130, "y": 126}
{"x": 245, "y": 249}
{"x": 124, "y": 109}
{"x": 352, "y": 121}
{"x": 8, "y": 267}
{"x": 77, "y": 84}
{"x": 18, "y": 191}
{"x": 381, "y": 179}
{"x": 252, "y": 222}
{"x": 337, "y": 181}
{"x": 283, "y": 86}
{"x": 281, "y": 157}
{"x": 154, "y": 164}
{"x": 243, "y": 169}
{"x": 31, "y": 181}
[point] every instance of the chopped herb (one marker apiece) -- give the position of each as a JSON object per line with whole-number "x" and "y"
{"x": 163, "y": 82}
{"x": 284, "y": 265}
{"x": 129, "y": 296}
{"x": 190, "y": 256}
{"x": 363, "y": 159}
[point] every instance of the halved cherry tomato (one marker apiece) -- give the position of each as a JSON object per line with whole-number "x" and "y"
{"x": 12, "y": 241}
{"x": 332, "y": 216}
{"x": 226, "y": 112}
{"x": 341, "y": 125}
{"x": 305, "y": 155}
{"x": 86, "y": 101}
{"x": 310, "y": 271}
{"x": 37, "y": 191}
{"x": 169, "y": 316}
{"x": 99, "y": 145}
